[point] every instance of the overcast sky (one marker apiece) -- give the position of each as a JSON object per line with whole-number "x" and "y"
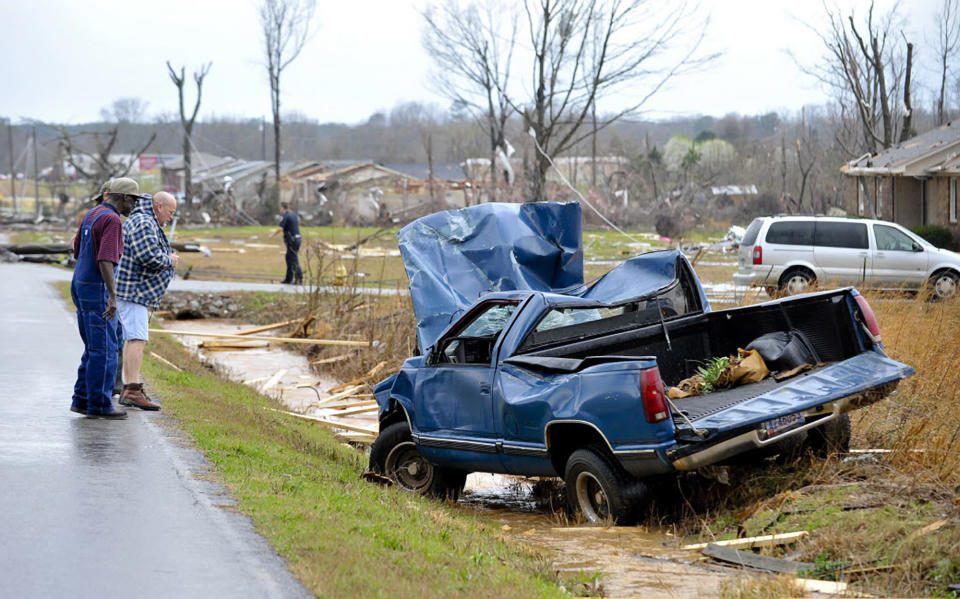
{"x": 65, "y": 60}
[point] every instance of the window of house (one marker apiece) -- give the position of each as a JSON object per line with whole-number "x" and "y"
{"x": 861, "y": 196}
{"x": 953, "y": 200}
{"x": 878, "y": 199}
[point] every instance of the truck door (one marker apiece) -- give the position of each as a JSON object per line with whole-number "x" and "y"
{"x": 842, "y": 252}
{"x": 899, "y": 260}
{"x": 452, "y": 397}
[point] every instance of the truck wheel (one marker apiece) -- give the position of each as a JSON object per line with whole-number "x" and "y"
{"x": 395, "y": 455}
{"x": 944, "y": 284}
{"x": 831, "y": 438}
{"x": 600, "y": 490}
{"x": 796, "y": 280}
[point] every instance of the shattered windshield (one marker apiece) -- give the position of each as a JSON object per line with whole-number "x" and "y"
{"x": 560, "y": 325}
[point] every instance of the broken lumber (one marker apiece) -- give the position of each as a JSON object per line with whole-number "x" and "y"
{"x": 750, "y": 542}
{"x": 357, "y": 410}
{"x": 273, "y": 380}
{"x": 276, "y": 339}
{"x": 752, "y": 560}
{"x": 352, "y": 404}
{"x": 268, "y": 327}
{"x": 332, "y": 398}
{"x": 166, "y": 361}
{"x": 228, "y": 346}
{"x": 344, "y": 426}
{"x": 359, "y": 380}
{"x": 333, "y": 359}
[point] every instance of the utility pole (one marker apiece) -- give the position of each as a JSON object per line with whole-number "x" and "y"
{"x": 36, "y": 177}
{"x": 13, "y": 175}
{"x": 263, "y": 138}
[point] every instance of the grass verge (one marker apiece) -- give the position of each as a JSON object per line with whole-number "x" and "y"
{"x": 342, "y": 536}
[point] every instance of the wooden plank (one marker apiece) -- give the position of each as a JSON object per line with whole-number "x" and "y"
{"x": 827, "y": 587}
{"x": 752, "y": 560}
{"x": 750, "y": 542}
{"x": 360, "y": 380}
{"x": 344, "y": 426}
{"x": 273, "y": 380}
{"x": 268, "y": 327}
{"x": 333, "y": 359}
{"x": 349, "y": 392}
{"x": 277, "y": 339}
{"x": 357, "y": 410}
{"x": 166, "y": 361}
{"x": 229, "y": 346}
{"x": 352, "y": 404}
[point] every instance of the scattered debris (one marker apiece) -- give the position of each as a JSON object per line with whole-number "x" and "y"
{"x": 276, "y": 339}
{"x": 157, "y": 356}
{"x": 751, "y": 542}
{"x": 752, "y": 560}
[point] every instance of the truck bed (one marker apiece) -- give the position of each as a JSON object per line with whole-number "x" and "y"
{"x": 701, "y": 406}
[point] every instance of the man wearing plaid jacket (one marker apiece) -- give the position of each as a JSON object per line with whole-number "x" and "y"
{"x": 146, "y": 269}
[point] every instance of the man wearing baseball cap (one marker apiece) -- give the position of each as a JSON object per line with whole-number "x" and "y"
{"x": 97, "y": 248}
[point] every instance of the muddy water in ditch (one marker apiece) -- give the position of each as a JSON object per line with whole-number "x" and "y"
{"x": 631, "y": 561}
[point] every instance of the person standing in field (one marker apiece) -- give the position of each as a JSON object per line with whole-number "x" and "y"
{"x": 290, "y": 227}
{"x": 98, "y": 247}
{"x": 145, "y": 272}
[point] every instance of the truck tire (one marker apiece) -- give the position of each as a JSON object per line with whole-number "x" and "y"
{"x": 796, "y": 280}
{"x": 600, "y": 490}
{"x": 395, "y": 455}
{"x": 831, "y": 438}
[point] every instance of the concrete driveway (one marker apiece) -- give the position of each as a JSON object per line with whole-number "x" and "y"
{"x": 97, "y": 508}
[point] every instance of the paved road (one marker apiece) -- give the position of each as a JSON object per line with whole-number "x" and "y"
{"x": 95, "y": 508}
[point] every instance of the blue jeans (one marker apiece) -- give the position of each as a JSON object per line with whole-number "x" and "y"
{"x": 98, "y": 365}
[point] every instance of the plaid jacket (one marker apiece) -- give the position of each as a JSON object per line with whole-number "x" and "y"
{"x": 145, "y": 268}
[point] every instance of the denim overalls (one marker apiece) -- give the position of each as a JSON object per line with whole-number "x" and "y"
{"x": 98, "y": 366}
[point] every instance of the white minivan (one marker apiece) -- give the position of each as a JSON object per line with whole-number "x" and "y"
{"x": 787, "y": 254}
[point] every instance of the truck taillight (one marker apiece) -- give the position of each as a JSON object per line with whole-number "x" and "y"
{"x": 654, "y": 399}
{"x": 868, "y": 317}
{"x": 758, "y": 254}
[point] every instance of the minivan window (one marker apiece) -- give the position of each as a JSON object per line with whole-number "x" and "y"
{"x": 841, "y": 235}
{"x": 889, "y": 238}
{"x": 751, "y": 234}
{"x": 791, "y": 233}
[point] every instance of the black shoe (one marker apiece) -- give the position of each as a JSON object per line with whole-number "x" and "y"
{"x": 114, "y": 414}
{"x": 78, "y": 410}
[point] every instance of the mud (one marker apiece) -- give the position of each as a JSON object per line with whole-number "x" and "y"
{"x": 623, "y": 561}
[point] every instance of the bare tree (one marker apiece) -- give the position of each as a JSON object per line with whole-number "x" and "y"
{"x": 92, "y": 154}
{"x": 187, "y": 124}
{"x": 948, "y": 42}
{"x": 125, "y": 110}
{"x": 866, "y": 70}
{"x": 286, "y": 27}
{"x": 584, "y": 50}
{"x": 472, "y": 46}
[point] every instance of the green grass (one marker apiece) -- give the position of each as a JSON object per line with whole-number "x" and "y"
{"x": 342, "y": 536}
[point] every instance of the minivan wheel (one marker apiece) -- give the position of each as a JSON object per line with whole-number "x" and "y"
{"x": 944, "y": 284}
{"x": 796, "y": 280}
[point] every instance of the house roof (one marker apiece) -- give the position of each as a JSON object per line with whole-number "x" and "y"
{"x": 450, "y": 171}
{"x": 734, "y": 190}
{"x": 926, "y": 154}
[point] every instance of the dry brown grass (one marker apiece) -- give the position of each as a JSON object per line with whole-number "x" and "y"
{"x": 921, "y": 420}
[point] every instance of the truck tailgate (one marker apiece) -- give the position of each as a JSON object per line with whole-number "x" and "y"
{"x": 744, "y": 406}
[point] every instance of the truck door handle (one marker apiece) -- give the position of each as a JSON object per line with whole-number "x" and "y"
{"x": 484, "y": 388}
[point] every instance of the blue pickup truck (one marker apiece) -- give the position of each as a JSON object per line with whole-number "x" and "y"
{"x": 525, "y": 370}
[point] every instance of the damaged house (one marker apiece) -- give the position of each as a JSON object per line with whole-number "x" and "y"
{"x": 912, "y": 183}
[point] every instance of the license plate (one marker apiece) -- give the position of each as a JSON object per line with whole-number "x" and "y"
{"x": 777, "y": 426}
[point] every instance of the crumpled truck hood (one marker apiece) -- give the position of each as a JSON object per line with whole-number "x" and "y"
{"x": 453, "y": 258}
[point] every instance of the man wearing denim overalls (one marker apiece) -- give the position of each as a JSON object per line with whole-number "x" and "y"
{"x": 97, "y": 248}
